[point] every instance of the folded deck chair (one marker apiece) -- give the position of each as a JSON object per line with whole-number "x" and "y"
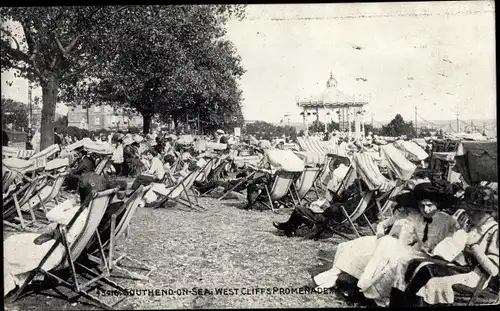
{"x": 117, "y": 230}
{"x": 96, "y": 209}
{"x": 279, "y": 190}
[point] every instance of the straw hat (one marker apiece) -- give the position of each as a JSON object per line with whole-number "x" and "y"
{"x": 219, "y": 131}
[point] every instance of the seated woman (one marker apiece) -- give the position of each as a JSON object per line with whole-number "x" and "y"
{"x": 24, "y": 251}
{"x": 379, "y": 255}
{"x": 155, "y": 172}
{"x": 464, "y": 257}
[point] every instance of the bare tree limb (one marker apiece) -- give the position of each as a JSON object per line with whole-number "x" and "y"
{"x": 59, "y": 45}
{"x": 15, "y": 53}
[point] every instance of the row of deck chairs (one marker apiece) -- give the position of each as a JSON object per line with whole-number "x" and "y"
{"x": 92, "y": 261}
{"x": 34, "y": 184}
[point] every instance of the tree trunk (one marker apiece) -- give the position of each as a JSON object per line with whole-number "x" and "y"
{"x": 146, "y": 126}
{"x": 49, "y": 99}
{"x": 176, "y": 122}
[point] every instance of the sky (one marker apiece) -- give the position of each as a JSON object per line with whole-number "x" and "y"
{"x": 438, "y": 56}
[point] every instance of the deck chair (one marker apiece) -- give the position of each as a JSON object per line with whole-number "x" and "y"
{"x": 279, "y": 190}
{"x": 9, "y": 213}
{"x": 349, "y": 219}
{"x": 477, "y": 295}
{"x": 246, "y": 179}
{"x": 205, "y": 171}
{"x": 117, "y": 230}
{"x": 102, "y": 164}
{"x": 179, "y": 192}
{"x": 305, "y": 183}
{"x": 217, "y": 173}
{"x": 97, "y": 207}
{"x": 386, "y": 198}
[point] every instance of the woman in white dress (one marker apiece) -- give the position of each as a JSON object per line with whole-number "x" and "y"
{"x": 465, "y": 257}
{"x": 359, "y": 258}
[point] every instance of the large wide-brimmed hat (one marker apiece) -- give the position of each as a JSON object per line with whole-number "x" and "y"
{"x": 480, "y": 198}
{"x": 423, "y": 191}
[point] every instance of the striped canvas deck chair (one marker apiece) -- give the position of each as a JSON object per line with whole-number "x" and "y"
{"x": 95, "y": 276}
{"x": 279, "y": 190}
{"x": 118, "y": 230}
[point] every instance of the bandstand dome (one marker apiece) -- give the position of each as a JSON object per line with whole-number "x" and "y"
{"x": 331, "y": 97}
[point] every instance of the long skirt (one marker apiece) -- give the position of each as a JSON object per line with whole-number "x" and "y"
{"x": 388, "y": 262}
{"x": 351, "y": 257}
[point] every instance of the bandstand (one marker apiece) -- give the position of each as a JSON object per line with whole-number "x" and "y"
{"x": 349, "y": 109}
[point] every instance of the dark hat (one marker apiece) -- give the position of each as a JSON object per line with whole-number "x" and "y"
{"x": 436, "y": 192}
{"x": 424, "y": 191}
{"x": 480, "y": 198}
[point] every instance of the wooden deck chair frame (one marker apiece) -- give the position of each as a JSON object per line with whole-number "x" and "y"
{"x": 205, "y": 170}
{"x": 388, "y": 204}
{"x": 279, "y": 190}
{"x": 97, "y": 207}
{"x": 359, "y": 211}
{"x": 54, "y": 191}
{"x": 31, "y": 191}
{"x": 184, "y": 185}
{"x": 474, "y": 294}
{"x": 56, "y": 188}
{"x": 215, "y": 174}
{"x": 306, "y": 184}
{"x": 247, "y": 178}
{"x": 120, "y": 229}
{"x": 102, "y": 164}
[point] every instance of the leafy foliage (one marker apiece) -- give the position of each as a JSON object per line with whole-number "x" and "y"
{"x": 264, "y": 130}
{"x": 56, "y": 46}
{"x": 15, "y": 113}
{"x": 174, "y": 62}
{"x": 398, "y": 127}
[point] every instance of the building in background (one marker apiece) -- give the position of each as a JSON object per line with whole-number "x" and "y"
{"x": 36, "y": 117}
{"x": 102, "y": 117}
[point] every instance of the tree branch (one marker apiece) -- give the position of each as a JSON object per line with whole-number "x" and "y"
{"x": 13, "y": 38}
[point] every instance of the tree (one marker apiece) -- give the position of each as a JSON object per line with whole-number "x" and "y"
{"x": 15, "y": 113}
{"x": 176, "y": 63}
{"x": 56, "y": 46}
{"x": 317, "y": 127}
{"x": 398, "y": 127}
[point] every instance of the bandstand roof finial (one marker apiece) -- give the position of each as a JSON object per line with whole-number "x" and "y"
{"x": 331, "y": 81}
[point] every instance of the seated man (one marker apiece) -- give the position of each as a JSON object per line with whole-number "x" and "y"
{"x": 85, "y": 164}
{"x": 155, "y": 172}
{"x": 321, "y": 211}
